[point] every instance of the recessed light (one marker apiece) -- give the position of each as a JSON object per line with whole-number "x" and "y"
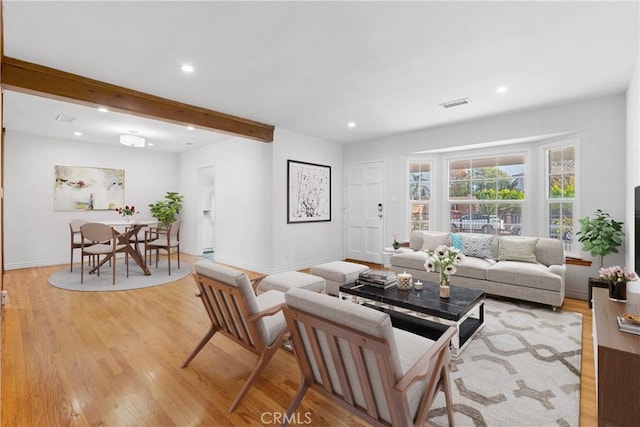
{"x": 502, "y": 89}
{"x": 77, "y": 133}
{"x": 351, "y": 124}
{"x": 150, "y": 144}
{"x": 190, "y": 128}
{"x": 187, "y": 68}
{"x": 103, "y": 109}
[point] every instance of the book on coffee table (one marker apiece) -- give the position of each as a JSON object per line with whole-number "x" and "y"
{"x": 378, "y": 276}
{"x": 628, "y": 326}
{"x": 376, "y": 284}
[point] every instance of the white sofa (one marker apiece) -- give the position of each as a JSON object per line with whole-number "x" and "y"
{"x": 525, "y": 268}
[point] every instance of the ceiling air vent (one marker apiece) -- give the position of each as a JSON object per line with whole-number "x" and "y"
{"x": 456, "y": 103}
{"x": 65, "y": 118}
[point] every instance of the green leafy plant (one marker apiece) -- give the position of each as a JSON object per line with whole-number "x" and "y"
{"x": 600, "y": 235}
{"x": 166, "y": 210}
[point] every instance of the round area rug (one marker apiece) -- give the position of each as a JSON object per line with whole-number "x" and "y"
{"x": 64, "y": 279}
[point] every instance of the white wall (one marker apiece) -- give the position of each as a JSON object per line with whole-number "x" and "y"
{"x": 633, "y": 162}
{"x": 296, "y": 246}
{"x": 243, "y": 198}
{"x": 250, "y": 203}
{"x": 35, "y": 234}
{"x": 600, "y": 123}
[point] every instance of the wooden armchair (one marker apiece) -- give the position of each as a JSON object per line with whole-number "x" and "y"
{"x": 254, "y": 322}
{"x": 353, "y": 356}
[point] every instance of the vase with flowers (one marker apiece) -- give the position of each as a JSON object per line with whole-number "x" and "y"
{"x": 443, "y": 261}
{"x": 127, "y": 212}
{"x": 617, "y": 277}
{"x": 396, "y": 244}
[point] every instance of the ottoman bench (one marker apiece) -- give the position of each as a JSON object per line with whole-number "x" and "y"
{"x": 291, "y": 279}
{"x": 338, "y": 273}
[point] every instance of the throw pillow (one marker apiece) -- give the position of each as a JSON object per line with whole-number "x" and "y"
{"x": 477, "y": 246}
{"x": 431, "y": 241}
{"x": 518, "y": 249}
{"x": 456, "y": 242}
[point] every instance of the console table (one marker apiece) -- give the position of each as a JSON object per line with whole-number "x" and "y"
{"x": 617, "y": 361}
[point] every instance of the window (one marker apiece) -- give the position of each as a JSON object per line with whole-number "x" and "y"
{"x": 419, "y": 194}
{"x": 561, "y": 193}
{"x": 486, "y": 195}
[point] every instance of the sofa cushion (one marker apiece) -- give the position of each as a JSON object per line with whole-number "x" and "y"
{"x": 420, "y": 238}
{"x": 477, "y": 246}
{"x": 518, "y": 248}
{"x": 413, "y": 260}
{"x": 525, "y": 274}
{"x": 550, "y": 251}
{"x": 474, "y": 268}
{"x": 431, "y": 241}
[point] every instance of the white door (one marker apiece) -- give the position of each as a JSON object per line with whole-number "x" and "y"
{"x": 364, "y": 222}
{"x": 206, "y": 212}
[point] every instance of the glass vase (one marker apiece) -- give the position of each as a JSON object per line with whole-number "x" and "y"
{"x": 444, "y": 286}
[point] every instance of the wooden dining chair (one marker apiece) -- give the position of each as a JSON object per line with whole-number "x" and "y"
{"x": 103, "y": 241}
{"x": 167, "y": 239}
{"x": 76, "y": 237}
{"x": 353, "y": 356}
{"x": 254, "y": 322}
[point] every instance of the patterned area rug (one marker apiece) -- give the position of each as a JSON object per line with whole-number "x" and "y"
{"x": 522, "y": 369}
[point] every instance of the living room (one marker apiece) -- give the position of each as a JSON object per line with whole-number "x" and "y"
{"x": 251, "y": 177}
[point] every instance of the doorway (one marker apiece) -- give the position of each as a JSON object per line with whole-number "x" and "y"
{"x": 206, "y": 211}
{"x": 364, "y": 222}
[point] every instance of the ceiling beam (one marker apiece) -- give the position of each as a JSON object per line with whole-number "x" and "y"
{"x": 27, "y": 77}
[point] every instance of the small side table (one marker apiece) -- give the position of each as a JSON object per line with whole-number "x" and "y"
{"x": 596, "y": 282}
{"x": 386, "y": 256}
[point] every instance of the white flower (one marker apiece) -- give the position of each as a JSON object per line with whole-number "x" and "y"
{"x": 429, "y": 266}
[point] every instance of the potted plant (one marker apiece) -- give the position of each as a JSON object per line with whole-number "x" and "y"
{"x": 166, "y": 210}
{"x": 600, "y": 235}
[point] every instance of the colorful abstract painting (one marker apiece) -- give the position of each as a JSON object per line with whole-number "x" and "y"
{"x": 80, "y": 188}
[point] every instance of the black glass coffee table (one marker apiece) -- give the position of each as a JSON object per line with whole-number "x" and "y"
{"x": 424, "y": 312}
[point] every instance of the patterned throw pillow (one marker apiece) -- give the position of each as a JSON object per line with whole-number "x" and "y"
{"x": 477, "y": 246}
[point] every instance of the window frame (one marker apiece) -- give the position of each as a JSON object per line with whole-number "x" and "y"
{"x": 433, "y": 189}
{"x": 471, "y": 155}
{"x": 545, "y": 224}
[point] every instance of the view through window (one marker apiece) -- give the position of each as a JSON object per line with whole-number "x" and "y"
{"x": 419, "y": 194}
{"x": 561, "y": 193}
{"x": 486, "y": 194}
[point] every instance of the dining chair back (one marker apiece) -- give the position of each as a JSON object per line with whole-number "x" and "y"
{"x": 254, "y": 322}
{"x": 76, "y": 237}
{"x": 352, "y": 355}
{"x": 166, "y": 239}
{"x": 103, "y": 241}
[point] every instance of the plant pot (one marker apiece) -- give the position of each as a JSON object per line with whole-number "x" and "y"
{"x": 396, "y": 246}
{"x": 618, "y": 291}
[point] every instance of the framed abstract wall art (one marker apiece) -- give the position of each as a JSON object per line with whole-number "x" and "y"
{"x": 80, "y": 188}
{"x": 308, "y": 192}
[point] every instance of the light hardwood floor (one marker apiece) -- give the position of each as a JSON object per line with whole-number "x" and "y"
{"x": 113, "y": 359}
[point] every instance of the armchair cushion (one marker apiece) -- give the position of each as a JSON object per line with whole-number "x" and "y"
{"x": 268, "y": 324}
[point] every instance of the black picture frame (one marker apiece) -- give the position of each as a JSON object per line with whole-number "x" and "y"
{"x": 308, "y": 192}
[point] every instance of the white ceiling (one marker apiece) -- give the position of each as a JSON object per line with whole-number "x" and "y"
{"x": 312, "y": 67}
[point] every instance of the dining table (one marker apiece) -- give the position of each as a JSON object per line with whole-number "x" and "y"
{"x": 128, "y": 237}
